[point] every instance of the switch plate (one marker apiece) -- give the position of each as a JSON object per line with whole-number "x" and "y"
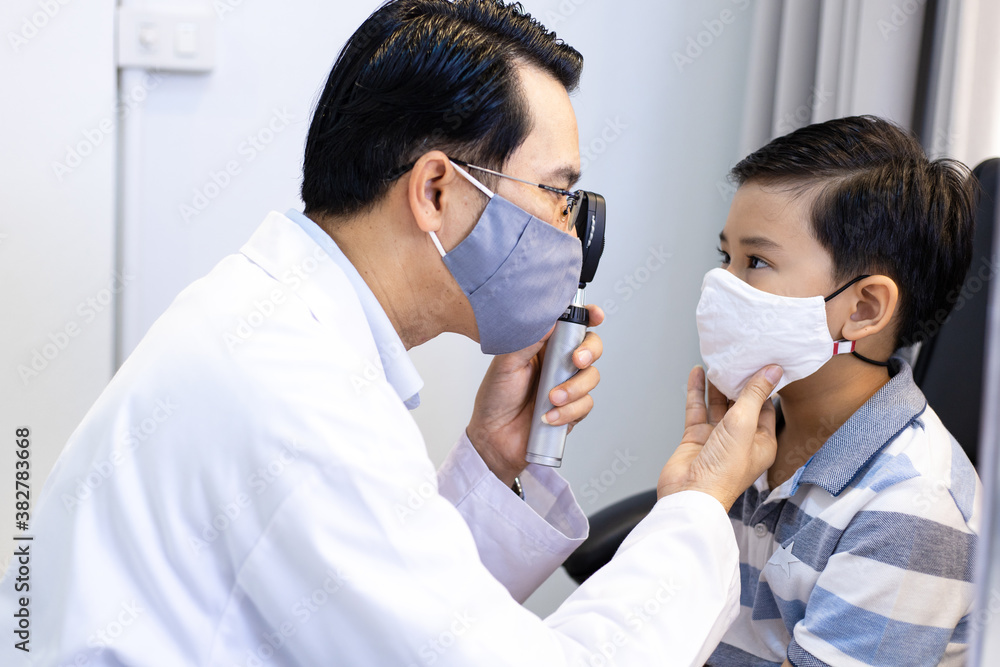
{"x": 167, "y": 38}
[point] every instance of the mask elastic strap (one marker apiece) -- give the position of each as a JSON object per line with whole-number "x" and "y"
{"x": 847, "y": 347}
{"x": 437, "y": 243}
{"x": 884, "y": 364}
{"x": 485, "y": 190}
{"x": 861, "y": 277}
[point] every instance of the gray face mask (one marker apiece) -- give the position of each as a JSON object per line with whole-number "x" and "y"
{"x": 519, "y": 273}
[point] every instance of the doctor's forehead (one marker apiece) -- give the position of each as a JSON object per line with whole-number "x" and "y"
{"x": 551, "y": 150}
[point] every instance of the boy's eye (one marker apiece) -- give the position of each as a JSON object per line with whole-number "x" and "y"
{"x": 723, "y": 256}
{"x": 756, "y": 262}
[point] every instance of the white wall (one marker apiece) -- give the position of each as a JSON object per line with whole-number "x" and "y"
{"x": 57, "y": 239}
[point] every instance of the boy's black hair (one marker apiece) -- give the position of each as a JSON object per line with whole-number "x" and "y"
{"x": 420, "y": 75}
{"x": 883, "y": 208}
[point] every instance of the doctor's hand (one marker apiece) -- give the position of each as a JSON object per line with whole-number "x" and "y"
{"x": 725, "y": 448}
{"x": 501, "y": 418}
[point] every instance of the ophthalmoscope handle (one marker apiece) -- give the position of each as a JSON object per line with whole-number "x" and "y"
{"x": 545, "y": 442}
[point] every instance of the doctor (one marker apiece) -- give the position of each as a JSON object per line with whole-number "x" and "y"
{"x": 251, "y": 489}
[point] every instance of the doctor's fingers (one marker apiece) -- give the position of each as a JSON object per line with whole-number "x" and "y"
{"x": 577, "y": 387}
{"x": 592, "y": 347}
{"x": 718, "y": 404}
{"x": 573, "y": 413}
{"x": 589, "y": 351}
{"x": 694, "y": 408}
{"x": 595, "y": 313}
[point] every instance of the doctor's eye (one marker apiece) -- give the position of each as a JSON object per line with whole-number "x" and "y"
{"x": 756, "y": 263}
{"x": 723, "y": 256}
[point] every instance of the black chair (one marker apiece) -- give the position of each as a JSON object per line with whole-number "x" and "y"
{"x": 948, "y": 369}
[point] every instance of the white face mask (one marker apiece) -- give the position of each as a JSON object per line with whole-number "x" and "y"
{"x": 742, "y": 329}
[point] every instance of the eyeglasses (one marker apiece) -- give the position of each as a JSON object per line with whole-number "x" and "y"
{"x": 571, "y": 197}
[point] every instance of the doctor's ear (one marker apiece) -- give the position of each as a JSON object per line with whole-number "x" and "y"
{"x": 426, "y": 189}
{"x": 872, "y": 307}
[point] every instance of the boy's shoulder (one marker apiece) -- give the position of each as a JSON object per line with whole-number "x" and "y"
{"x": 913, "y": 465}
{"x": 924, "y": 472}
{"x": 895, "y": 456}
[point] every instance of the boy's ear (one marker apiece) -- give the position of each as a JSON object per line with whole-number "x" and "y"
{"x": 872, "y": 308}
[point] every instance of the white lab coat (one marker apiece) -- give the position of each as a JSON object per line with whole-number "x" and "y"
{"x": 250, "y": 489}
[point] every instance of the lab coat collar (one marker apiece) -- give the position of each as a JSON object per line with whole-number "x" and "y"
{"x": 398, "y": 367}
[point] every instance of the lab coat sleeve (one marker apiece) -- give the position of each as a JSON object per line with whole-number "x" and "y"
{"x": 687, "y": 550}
{"x": 352, "y": 585}
{"x": 521, "y": 542}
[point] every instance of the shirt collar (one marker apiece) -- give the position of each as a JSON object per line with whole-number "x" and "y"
{"x": 884, "y": 416}
{"x": 398, "y": 367}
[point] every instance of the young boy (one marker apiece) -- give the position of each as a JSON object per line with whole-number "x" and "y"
{"x": 857, "y": 545}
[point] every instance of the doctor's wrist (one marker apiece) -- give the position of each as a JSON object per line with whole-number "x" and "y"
{"x": 496, "y": 461}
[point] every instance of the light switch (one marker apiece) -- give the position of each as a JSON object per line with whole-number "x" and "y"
{"x": 178, "y": 38}
{"x": 149, "y": 36}
{"x": 186, "y": 40}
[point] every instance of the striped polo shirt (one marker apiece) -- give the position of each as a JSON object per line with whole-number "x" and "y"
{"x": 865, "y": 555}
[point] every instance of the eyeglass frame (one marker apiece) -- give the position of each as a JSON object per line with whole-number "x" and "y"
{"x": 572, "y": 197}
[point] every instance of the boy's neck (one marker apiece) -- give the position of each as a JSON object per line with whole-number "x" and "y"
{"x": 815, "y": 407}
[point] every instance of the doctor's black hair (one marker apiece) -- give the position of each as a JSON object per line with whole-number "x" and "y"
{"x": 882, "y": 207}
{"x": 420, "y": 75}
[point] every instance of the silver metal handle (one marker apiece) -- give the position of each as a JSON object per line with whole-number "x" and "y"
{"x": 545, "y": 442}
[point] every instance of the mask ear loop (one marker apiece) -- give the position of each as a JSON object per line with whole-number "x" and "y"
{"x": 485, "y": 190}
{"x": 841, "y": 346}
{"x": 837, "y": 293}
